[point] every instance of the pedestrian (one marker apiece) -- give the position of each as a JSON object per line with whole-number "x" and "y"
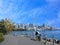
{"x": 37, "y": 35}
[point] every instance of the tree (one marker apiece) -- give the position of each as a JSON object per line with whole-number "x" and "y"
{"x": 2, "y": 27}
{"x": 8, "y": 25}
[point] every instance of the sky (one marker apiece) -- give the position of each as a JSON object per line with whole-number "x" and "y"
{"x": 31, "y": 11}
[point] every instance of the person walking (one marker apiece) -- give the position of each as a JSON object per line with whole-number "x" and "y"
{"x": 38, "y": 35}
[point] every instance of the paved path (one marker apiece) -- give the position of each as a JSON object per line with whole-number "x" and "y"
{"x": 15, "y": 40}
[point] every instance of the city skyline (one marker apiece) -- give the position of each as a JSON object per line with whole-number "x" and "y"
{"x": 31, "y": 11}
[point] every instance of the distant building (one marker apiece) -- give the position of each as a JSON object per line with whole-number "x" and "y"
{"x": 54, "y": 28}
{"x": 39, "y": 28}
{"x": 22, "y": 26}
{"x": 16, "y": 26}
{"x": 30, "y": 27}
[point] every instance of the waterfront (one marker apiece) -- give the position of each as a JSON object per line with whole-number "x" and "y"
{"x": 20, "y": 37}
{"x": 22, "y": 40}
{"x": 49, "y": 34}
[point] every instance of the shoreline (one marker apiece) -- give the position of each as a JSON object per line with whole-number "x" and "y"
{"x": 48, "y": 39}
{"x": 19, "y": 40}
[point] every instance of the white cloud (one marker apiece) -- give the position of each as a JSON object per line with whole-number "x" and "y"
{"x": 8, "y": 12}
{"x": 55, "y": 21}
{"x": 59, "y": 14}
{"x": 34, "y": 12}
{"x": 21, "y": 15}
{"x": 1, "y": 3}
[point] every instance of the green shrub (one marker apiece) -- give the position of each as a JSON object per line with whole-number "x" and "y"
{"x": 1, "y": 37}
{"x": 3, "y": 31}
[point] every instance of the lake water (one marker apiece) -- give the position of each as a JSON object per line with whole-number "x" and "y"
{"x": 50, "y": 34}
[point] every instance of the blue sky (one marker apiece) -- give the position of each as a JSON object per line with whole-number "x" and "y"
{"x": 31, "y": 11}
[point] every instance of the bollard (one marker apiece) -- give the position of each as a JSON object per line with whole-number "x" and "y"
{"x": 39, "y": 37}
{"x": 53, "y": 40}
{"x": 45, "y": 40}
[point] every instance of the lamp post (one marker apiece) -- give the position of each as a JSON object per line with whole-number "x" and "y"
{"x": 34, "y": 27}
